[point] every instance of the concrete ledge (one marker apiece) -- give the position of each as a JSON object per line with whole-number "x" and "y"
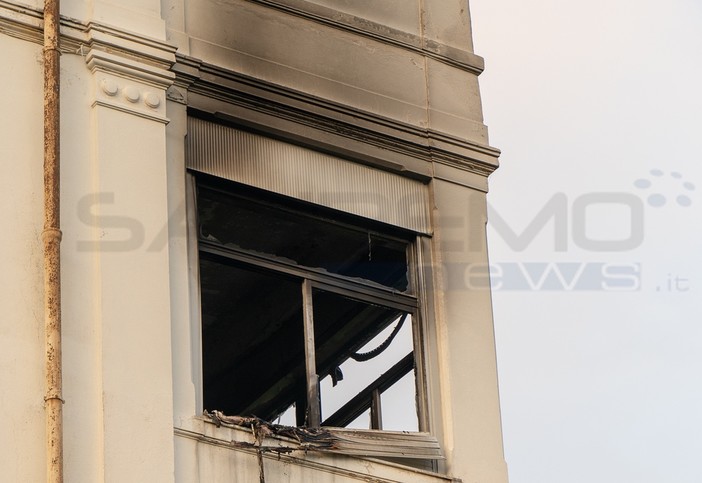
{"x": 203, "y": 441}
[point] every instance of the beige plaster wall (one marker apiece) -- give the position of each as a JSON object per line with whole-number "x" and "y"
{"x": 404, "y": 15}
{"x": 466, "y": 343}
{"x": 118, "y": 394}
{"x": 21, "y": 259}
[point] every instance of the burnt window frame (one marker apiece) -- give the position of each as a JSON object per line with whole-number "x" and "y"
{"x": 311, "y": 279}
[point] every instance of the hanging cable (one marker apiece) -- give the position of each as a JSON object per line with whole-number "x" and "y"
{"x": 366, "y": 356}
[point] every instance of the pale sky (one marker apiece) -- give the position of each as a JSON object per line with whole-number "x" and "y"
{"x": 597, "y": 108}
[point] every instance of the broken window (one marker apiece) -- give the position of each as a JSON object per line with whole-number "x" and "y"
{"x": 309, "y": 316}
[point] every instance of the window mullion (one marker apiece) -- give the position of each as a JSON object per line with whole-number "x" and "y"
{"x": 313, "y": 410}
{"x": 376, "y": 412}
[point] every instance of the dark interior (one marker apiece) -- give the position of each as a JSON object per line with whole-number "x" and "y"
{"x": 317, "y": 242}
{"x": 252, "y": 320}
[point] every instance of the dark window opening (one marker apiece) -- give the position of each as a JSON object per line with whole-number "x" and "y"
{"x": 362, "y": 350}
{"x": 253, "y": 352}
{"x": 282, "y": 233}
{"x": 305, "y": 320}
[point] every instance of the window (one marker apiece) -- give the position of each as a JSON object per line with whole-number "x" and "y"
{"x": 309, "y": 316}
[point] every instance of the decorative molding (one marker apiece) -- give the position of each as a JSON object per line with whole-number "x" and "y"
{"x": 129, "y": 85}
{"x": 21, "y": 22}
{"x": 27, "y": 23}
{"x": 131, "y": 72}
{"x": 137, "y": 55}
{"x": 124, "y": 95}
{"x": 462, "y": 154}
{"x": 155, "y": 53}
{"x": 101, "y": 61}
{"x": 461, "y": 59}
{"x": 187, "y": 71}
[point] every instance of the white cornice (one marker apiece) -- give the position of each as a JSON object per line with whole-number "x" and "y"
{"x": 99, "y": 60}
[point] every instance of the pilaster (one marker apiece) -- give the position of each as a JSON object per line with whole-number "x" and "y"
{"x": 129, "y": 212}
{"x": 466, "y": 345}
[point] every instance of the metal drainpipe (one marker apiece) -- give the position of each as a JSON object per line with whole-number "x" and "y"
{"x": 52, "y": 243}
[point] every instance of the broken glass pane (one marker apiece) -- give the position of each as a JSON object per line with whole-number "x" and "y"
{"x": 361, "y": 422}
{"x": 399, "y": 405}
{"x": 357, "y": 345}
{"x": 252, "y": 342}
{"x": 284, "y": 233}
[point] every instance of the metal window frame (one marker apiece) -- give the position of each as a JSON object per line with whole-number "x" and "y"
{"x": 311, "y": 278}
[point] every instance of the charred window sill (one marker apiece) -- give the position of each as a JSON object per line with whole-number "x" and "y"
{"x": 279, "y": 439}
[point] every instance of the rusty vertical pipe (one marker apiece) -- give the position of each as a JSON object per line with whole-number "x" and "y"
{"x": 52, "y": 242}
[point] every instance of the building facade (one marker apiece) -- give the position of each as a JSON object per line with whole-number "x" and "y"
{"x": 273, "y": 217}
